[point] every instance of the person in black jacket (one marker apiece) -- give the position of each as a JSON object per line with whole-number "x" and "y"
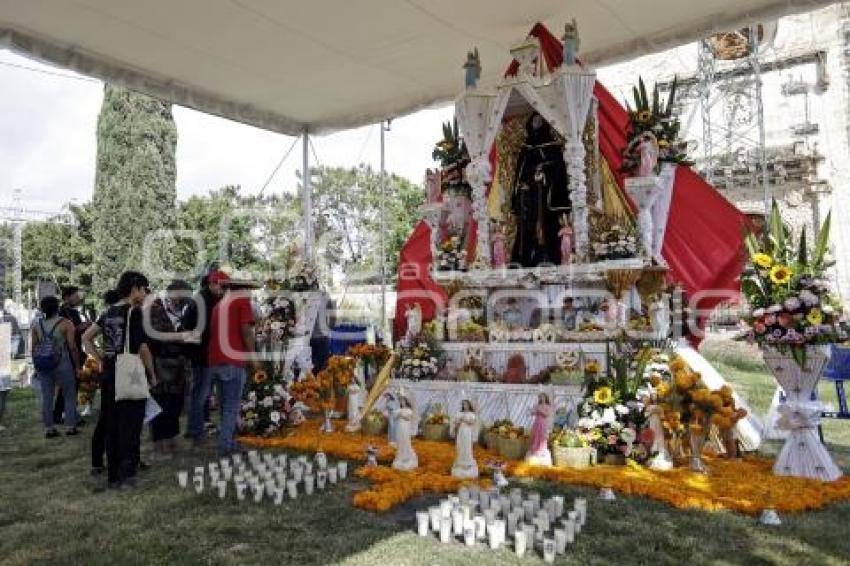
{"x": 72, "y": 299}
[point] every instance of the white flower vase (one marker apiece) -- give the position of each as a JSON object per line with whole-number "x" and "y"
{"x": 803, "y": 454}
{"x": 644, "y": 192}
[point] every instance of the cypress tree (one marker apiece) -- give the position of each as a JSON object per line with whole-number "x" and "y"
{"x": 134, "y": 190}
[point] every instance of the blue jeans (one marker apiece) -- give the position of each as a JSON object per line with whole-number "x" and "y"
{"x": 64, "y": 377}
{"x": 201, "y": 384}
{"x": 231, "y": 382}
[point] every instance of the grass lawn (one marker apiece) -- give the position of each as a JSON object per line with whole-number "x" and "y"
{"x": 51, "y": 513}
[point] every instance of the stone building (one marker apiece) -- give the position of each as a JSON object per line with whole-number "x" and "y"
{"x": 805, "y": 96}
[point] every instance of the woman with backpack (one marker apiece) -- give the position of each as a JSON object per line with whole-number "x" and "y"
{"x": 54, "y": 356}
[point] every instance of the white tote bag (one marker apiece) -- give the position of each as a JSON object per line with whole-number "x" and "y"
{"x": 131, "y": 383}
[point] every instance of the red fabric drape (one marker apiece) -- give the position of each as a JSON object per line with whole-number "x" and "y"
{"x": 704, "y": 235}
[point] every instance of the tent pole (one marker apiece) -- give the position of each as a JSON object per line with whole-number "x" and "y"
{"x": 381, "y": 236}
{"x": 308, "y": 198}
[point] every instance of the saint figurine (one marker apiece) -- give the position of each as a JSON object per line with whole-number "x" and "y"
{"x": 405, "y": 457}
{"x": 648, "y": 150}
{"x": 472, "y": 66}
{"x": 539, "y": 196}
{"x": 538, "y": 451}
{"x": 571, "y": 43}
{"x": 500, "y": 253}
{"x": 392, "y": 407}
{"x": 566, "y": 235}
{"x": 413, "y": 317}
{"x": 660, "y": 456}
{"x": 466, "y": 428}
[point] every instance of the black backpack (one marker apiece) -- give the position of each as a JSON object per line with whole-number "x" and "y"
{"x": 45, "y": 356}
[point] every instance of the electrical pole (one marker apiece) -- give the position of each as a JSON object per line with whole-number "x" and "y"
{"x": 385, "y": 126}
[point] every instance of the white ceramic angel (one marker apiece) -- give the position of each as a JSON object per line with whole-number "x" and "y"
{"x": 405, "y": 457}
{"x": 661, "y": 459}
{"x": 355, "y": 398}
{"x": 466, "y": 425}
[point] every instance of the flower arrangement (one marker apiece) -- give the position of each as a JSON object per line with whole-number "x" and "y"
{"x": 790, "y": 303}
{"x": 376, "y": 354}
{"x": 471, "y": 331}
{"x": 614, "y": 241}
{"x": 453, "y": 156}
{"x": 276, "y": 324}
{"x": 319, "y": 392}
{"x": 266, "y": 405}
{"x": 421, "y": 359}
{"x": 568, "y": 438}
{"x": 654, "y": 117}
{"x": 452, "y": 255}
{"x": 302, "y": 277}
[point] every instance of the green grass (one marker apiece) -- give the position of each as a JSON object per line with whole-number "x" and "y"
{"x": 51, "y": 514}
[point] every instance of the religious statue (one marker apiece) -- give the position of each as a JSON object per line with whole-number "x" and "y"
{"x": 538, "y": 451}
{"x": 659, "y": 315}
{"x": 648, "y": 151}
{"x": 571, "y": 43}
{"x": 500, "y": 253}
{"x": 466, "y": 430}
{"x": 405, "y": 457}
{"x": 516, "y": 371}
{"x": 660, "y": 457}
{"x": 569, "y": 314}
{"x": 539, "y": 196}
{"x": 456, "y": 209}
{"x": 433, "y": 187}
{"x": 354, "y": 407}
{"x": 472, "y": 66}
{"x": 413, "y": 316}
{"x": 392, "y": 406}
{"x": 566, "y": 235}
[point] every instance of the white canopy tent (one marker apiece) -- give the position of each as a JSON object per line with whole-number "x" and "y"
{"x": 321, "y": 65}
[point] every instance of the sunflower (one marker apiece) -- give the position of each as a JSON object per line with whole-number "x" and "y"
{"x": 260, "y": 376}
{"x": 781, "y": 274}
{"x": 603, "y": 396}
{"x": 644, "y": 116}
{"x": 592, "y": 366}
{"x": 762, "y": 260}
{"x": 815, "y": 317}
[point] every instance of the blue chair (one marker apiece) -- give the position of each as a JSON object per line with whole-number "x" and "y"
{"x": 838, "y": 370}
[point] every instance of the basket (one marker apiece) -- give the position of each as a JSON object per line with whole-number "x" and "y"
{"x": 435, "y": 431}
{"x": 571, "y": 457}
{"x": 491, "y": 440}
{"x": 512, "y": 448}
{"x": 373, "y": 426}
{"x": 466, "y": 375}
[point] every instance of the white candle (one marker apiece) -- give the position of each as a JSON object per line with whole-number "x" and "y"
{"x": 436, "y": 517}
{"x": 513, "y": 519}
{"x": 258, "y": 493}
{"x": 570, "y": 528}
{"x": 199, "y": 470}
{"x": 222, "y": 489}
{"x": 467, "y": 512}
{"x": 198, "y": 481}
{"x": 308, "y": 468}
{"x": 581, "y": 509}
{"x": 252, "y": 454}
{"x": 548, "y": 550}
{"x": 463, "y": 494}
{"x": 528, "y": 510}
{"x": 297, "y": 474}
{"x": 504, "y": 505}
{"x": 240, "y": 491}
{"x": 445, "y": 530}
{"x": 321, "y": 478}
{"x": 535, "y": 497}
{"x": 225, "y": 463}
{"x": 529, "y": 530}
{"x": 237, "y": 459}
{"x": 469, "y": 532}
{"x": 520, "y": 542}
{"x": 558, "y": 500}
{"x": 309, "y": 484}
{"x": 560, "y": 541}
{"x": 331, "y": 475}
{"x": 480, "y": 527}
{"x": 445, "y": 508}
{"x": 489, "y": 515}
{"x": 227, "y": 474}
{"x": 457, "y": 522}
{"x": 278, "y": 495}
{"x": 183, "y": 478}
{"x": 493, "y": 536}
{"x": 501, "y": 527}
{"x": 342, "y": 469}
{"x": 292, "y": 488}
{"x": 484, "y": 500}
{"x": 281, "y": 460}
{"x": 280, "y": 478}
{"x": 269, "y": 487}
{"x": 422, "y": 520}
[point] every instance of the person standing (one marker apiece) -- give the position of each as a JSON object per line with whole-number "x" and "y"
{"x": 70, "y": 310}
{"x": 55, "y": 357}
{"x": 172, "y": 362}
{"x": 198, "y": 319}
{"x": 98, "y": 439}
{"x": 231, "y": 349}
{"x": 122, "y": 326}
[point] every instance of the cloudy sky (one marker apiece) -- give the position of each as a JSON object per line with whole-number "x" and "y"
{"x": 48, "y": 118}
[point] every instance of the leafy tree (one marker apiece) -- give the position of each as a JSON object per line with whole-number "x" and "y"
{"x": 134, "y": 193}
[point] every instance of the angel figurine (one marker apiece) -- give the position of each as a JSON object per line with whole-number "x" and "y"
{"x": 566, "y": 235}
{"x": 538, "y": 452}
{"x": 466, "y": 426}
{"x": 661, "y": 459}
{"x": 392, "y": 406}
{"x": 405, "y": 457}
{"x": 413, "y": 316}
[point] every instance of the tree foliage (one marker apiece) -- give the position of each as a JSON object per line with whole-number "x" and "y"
{"x": 134, "y": 193}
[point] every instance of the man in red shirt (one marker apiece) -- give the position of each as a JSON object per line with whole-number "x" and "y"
{"x": 231, "y": 351}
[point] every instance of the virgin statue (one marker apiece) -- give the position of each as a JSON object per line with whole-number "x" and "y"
{"x": 405, "y": 457}
{"x": 466, "y": 425}
{"x": 539, "y": 196}
{"x": 538, "y": 451}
